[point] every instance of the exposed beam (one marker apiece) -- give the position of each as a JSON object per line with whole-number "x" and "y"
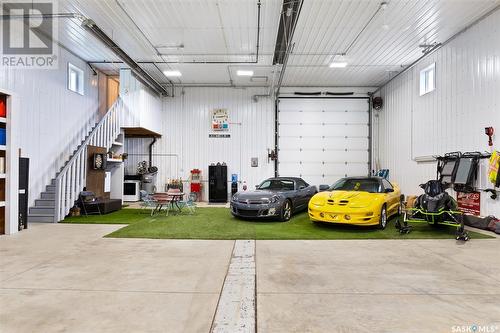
{"x": 289, "y": 14}
{"x": 142, "y": 75}
{"x": 288, "y": 22}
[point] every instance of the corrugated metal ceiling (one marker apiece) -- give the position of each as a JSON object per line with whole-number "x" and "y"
{"x": 226, "y": 31}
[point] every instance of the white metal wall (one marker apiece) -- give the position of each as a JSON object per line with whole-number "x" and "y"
{"x": 185, "y": 145}
{"x": 451, "y": 118}
{"x": 50, "y": 120}
{"x": 144, "y": 105}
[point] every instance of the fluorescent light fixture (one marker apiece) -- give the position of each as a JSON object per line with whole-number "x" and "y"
{"x": 336, "y": 64}
{"x": 423, "y": 159}
{"x": 172, "y": 73}
{"x": 241, "y": 72}
{"x": 170, "y": 47}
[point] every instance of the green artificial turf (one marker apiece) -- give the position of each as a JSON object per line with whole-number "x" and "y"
{"x": 218, "y": 223}
{"x": 123, "y": 216}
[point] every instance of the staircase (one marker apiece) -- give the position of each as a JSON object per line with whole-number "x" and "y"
{"x": 62, "y": 192}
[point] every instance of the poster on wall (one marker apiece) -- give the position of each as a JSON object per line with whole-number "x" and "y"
{"x": 220, "y": 120}
{"x": 469, "y": 203}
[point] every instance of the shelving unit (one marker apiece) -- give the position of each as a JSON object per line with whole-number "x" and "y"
{"x": 4, "y": 112}
{"x": 116, "y": 169}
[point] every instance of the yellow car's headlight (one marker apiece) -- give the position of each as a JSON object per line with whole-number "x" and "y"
{"x": 318, "y": 202}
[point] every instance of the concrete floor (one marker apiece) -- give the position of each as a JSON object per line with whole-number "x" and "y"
{"x": 67, "y": 278}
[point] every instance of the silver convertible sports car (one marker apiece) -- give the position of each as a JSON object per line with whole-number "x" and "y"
{"x": 273, "y": 198}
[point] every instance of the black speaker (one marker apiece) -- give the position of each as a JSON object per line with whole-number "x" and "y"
{"x": 377, "y": 103}
{"x": 217, "y": 183}
{"x": 24, "y": 176}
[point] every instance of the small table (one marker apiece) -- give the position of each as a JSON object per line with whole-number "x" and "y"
{"x": 168, "y": 198}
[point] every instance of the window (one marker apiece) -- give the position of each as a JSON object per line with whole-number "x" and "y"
{"x": 386, "y": 184}
{"x": 301, "y": 184}
{"x": 428, "y": 79}
{"x": 277, "y": 185}
{"x": 358, "y": 184}
{"x": 75, "y": 79}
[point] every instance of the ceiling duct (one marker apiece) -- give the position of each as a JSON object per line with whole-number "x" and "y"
{"x": 329, "y": 93}
{"x": 288, "y": 19}
{"x": 142, "y": 76}
{"x": 300, "y": 93}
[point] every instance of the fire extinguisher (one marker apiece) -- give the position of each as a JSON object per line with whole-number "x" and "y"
{"x": 489, "y": 131}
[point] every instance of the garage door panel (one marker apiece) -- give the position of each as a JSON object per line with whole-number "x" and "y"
{"x": 320, "y": 142}
{"x": 323, "y": 173}
{"x": 319, "y": 156}
{"x": 320, "y": 117}
{"x": 323, "y": 140}
{"x": 323, "y": 130}
{"x": 319, "y": 104}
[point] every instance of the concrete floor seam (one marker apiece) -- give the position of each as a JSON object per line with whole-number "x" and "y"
{"x": 114, "y": 291}
{"x": 255, "y": 290}
{"x": 222, "y": 286}
{"x": 374, "y": 294}
{"x": 235, "y": 310}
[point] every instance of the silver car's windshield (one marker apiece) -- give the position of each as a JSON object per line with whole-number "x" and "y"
{"x": 277, "y": 185}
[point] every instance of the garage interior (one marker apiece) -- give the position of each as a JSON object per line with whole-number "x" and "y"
{"x": 250, "y": 165}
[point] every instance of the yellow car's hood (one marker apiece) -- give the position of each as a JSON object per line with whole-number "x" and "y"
{"x": 351, "y": 199}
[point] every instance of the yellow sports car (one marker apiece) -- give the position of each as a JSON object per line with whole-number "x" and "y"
{"x": 358, "y": 201}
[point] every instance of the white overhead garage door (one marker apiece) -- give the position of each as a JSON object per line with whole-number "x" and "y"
{"x": 323, "y": 139}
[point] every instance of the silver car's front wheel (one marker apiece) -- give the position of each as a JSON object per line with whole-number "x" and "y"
{"x": 286, "y": 211}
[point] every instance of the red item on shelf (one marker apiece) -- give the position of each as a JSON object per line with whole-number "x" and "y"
{"x": 3, "y": 106}
{"x": 195, "y": 187}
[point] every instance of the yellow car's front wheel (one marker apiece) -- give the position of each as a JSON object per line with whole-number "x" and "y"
{"x": 383, "y": 218}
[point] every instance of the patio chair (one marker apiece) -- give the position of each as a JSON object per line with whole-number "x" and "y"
{"x": 190, "y": 203}
{"x": 89, "y": 203}
{"x": 147, "y": 201}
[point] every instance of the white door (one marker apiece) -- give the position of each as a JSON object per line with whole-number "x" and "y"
{"x": 323, "y": 139}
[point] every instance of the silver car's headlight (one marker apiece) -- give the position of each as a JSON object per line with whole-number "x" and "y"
{"x": 235, "y": 197}
{"x": 274, "y": 199}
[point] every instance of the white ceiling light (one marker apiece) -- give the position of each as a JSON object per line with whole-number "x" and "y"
{"x": 170, "y": 47}
{"x": 383, "y": 7}
{"x": 338, "y": 61}
{"x": 172, "y": 73}
{"x": 338, "y": 64}
{"x": 241, "y": 72}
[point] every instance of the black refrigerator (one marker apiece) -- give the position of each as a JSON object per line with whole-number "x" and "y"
{"x": 217, "y": 183}
{"x": 24, "y": 176}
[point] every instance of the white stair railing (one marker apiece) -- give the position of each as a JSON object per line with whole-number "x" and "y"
{"x": 72, "y": 178}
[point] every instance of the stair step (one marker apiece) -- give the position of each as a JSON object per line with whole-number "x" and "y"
{"x": 40, "y": 218}
{"x": 53, "y": 182}
{"x": 47, "y": 195}
{"x": 50, "y": 188}
{"x": 45, "y": 203}
{"x": 42, "y": 210}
